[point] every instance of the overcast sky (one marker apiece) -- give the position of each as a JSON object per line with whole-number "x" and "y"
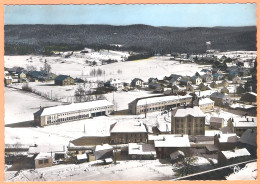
{"x": 176, "y": 15}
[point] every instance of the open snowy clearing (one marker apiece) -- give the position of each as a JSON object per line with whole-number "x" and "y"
{"x": 20, "y": 105}
{"x": 124, "y": 170}
{"x": 75, "y": 66}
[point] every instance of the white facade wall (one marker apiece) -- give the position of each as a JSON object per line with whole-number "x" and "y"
{"x": 75, "y": 115}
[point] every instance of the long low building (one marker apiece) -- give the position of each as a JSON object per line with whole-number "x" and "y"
{"x": 72, "y": 112}
{"x": 157, "y": 103}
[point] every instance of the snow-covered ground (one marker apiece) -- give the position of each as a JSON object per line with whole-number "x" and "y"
{"x": 123, "y": 170}
{"x": 249, "y": 172}
{"x": 20, "y": 105}
{"x": 76, "y": 66}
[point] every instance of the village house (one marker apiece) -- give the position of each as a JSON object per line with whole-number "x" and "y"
{"x": 236, "y": 80}
{"x": 225, "y": 141}
{"x": 116, "y": 83}
{"x": 232, "y": 75}
{"x": 141, "y": 151}
{"x": 190, "y": 88}
{"x": 240, "y": 90}
{"x": 174, "y": 79}
{"x": 44, "y": 155}
{"x": 165, "y": 144}
{"x": 103, "y": 151}
{"x": 248, "y": 141}
{"x": 184, "y": 82}
{"x": 217, "y": 76}
{"x": 128, "y": 132}
{"x": 189, "y": 121}
{"x": 207, "y": 78}
{"x": 8, "y": 80}
{"x": 216, "y": 70}
{"x": 224, "y": 83}
{"x": 157, "y": 103}
{"x": 203, "y": 87}
{"x": 249, "y": 97}
{"x": 22, "y": 75}
{"x": 176, "y": 89}
{"x": 213, "y": 84}
{"x": 216, "y": 122}
{"x": 220, "y": 99}
{"x": 64, "y": 80}
{"x": 233, "y": 156}
{"x": 136, "y": 82}
{"x": 206, "y": 104}
{"x": 224, "y": 90}
{"x": 72, "y": 112}
{"x": 240, "y": 124}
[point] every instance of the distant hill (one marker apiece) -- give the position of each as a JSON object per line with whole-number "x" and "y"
{"x": 159, "y": 39}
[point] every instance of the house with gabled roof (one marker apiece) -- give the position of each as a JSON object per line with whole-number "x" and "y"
{"x": 64, "y": 80}
{"x": 196, "y": 80}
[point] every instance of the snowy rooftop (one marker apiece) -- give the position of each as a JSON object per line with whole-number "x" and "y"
{"x": 82, "y": 157}
{"x": 160, "y": 99}
{"x": 128, "y": 127}
{"x": 228, "y": 138}
{"x": 248, "y": 121}
{"x": 204, "y": 93}
{"x": 204, "y": 101}
{"x": 46, "y": 149}
{"x": 168, "y": 140}
{"x": 141, "y": 149}
{"x": 236, "y": 153}
{"x": 43, "y": 156}
{"x": 103, "y": 147}
{"x": 75, "y": 107}
{"x": 195, "y": 112}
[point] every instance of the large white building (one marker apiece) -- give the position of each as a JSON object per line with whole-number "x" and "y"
{"x": 157, "y": 103}
{"x": 72, "y": 112}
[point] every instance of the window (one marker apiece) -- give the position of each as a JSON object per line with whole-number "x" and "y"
{"x": 40, "y": 162}
{"x": 46, "y": 161}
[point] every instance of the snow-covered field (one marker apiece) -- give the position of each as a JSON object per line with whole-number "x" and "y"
{"x": 133, "y": 170}
{"x": 20, "y": 105}
{"x": 76, "y": 66}
{"x": 249, "y": 172}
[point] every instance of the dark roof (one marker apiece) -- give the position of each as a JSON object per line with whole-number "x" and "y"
{"x": 61, "y": 77}
{"x": 148, "y": 147}
{"x": 136, "y": 79}
{"x": 226, "y": 130}
{"x": 174, "y": 77}
{"x": 216, "y": 119}
{"x": 217, "y": 95}
{"x": 195, "y": 77}
{"x": 249, "y": 137}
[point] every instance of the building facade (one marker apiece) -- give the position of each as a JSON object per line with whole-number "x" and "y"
{"x": 189, "y": 121}
{"x": 72, "y": 112}
{"x": 157, "y": 103}
{"x": 128, "y": 132}
{"x": 64, "y": 80}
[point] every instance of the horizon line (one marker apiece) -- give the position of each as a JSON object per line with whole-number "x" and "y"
{"x": 134, "y": 25}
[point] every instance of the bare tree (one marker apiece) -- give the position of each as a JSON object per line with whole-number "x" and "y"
{"x": 81, "y": 94}
{"x": 31, "y": 68}
{"x": 47, "y": 67}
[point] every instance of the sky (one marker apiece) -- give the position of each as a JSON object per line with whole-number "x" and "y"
{"x": 175, "y": 15}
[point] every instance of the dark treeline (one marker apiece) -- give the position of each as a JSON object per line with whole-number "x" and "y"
{"x": 144, "y": 38}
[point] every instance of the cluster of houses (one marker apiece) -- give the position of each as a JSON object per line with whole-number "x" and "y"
{"x": 20, "y": 75}
{"x": 186, "y": 130}
{"x": 188, "y": 99}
